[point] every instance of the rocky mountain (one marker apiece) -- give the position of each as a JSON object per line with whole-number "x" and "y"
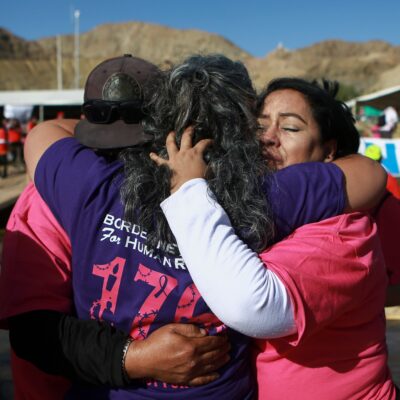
{"x": 15, "y": 48}
{"x": 26, "y": 64}
{"x": 360, "y": 65}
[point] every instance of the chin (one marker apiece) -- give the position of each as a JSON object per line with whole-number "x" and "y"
{"x": 273, "y": 165}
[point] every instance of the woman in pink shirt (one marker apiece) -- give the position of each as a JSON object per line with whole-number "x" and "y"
{"x": 285, "y": 145}
{"x": 333, "y": 270}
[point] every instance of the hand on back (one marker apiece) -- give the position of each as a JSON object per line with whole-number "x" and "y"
{"x": 180, "y": 354}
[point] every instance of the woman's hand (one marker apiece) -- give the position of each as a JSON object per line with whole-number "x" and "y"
{"x": 185, "y": 163}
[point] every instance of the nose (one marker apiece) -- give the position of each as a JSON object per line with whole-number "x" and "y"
{"x": 270, "y": 137}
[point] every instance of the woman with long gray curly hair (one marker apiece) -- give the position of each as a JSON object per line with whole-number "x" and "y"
{"x": 214, "y": 95}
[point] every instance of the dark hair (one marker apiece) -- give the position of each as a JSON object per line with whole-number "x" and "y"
{"x": 333, "y": 117}
{"x": 214, "y": 95}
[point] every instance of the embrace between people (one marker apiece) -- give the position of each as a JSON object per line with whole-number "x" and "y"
{"x": 199, "y": 240}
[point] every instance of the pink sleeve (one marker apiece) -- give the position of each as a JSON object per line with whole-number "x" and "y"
{"x": 324, "y": 266}
{"x": 388, "y": 222}
{"x": 36, "y": 270}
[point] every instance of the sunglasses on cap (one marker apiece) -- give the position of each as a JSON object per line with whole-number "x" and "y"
{"x": 106, "y": 112}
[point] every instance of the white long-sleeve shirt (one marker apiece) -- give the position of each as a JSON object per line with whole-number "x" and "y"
{"x": 240, "y": 290}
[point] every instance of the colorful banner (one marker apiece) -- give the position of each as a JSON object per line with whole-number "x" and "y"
{"x": 390, "y": 153}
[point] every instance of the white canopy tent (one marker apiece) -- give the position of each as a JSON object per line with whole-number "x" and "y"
{"x": 380, "y": 99}
{"x": 41, "y": 98}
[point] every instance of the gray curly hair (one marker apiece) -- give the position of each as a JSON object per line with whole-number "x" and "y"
{"x": 214, "y": 95}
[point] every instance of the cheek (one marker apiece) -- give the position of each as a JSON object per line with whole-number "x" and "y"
{"x": 317, "y": 152}
{"x": 306, "y": 150}
{"x": 297, "y": 151}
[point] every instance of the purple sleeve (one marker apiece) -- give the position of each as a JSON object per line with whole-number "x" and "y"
{"x": 305, "y": 193}
{"x": 71, "y": 178}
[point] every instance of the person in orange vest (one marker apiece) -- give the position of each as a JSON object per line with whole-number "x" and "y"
{"x": 15, "y": 141}
{"x": 374, "y": 152}
{"x": 33, "y": 121}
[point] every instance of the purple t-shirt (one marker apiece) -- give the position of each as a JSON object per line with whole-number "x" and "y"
{"x": 118, "y": 279}
{"x": 304, "y": 193}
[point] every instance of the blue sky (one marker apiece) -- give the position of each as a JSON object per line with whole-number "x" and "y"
{"x": 256, "y": 26}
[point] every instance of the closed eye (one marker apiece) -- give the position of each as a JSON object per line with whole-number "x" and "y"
{"x": 290, "y": 129}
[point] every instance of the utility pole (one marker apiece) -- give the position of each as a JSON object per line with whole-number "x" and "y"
{"x": 76, "y": 47}
{"x": 59, "y": 63}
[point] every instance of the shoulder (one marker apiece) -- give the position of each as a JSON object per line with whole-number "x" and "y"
{"x": 355, "y": 230}
{"x": 29, "y": 201}
{"x": 41, "y": 137}
{"x": 31, "y": 215}
{"x": 308, "y": 170}
{"x": 345, "y": 237}
{"x": 67, "y": 159}
{"x": 315, "y": 178}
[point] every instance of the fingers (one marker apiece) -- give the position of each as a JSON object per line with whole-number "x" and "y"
{"x": 172, "y": 149}
{"x": 213, "y": 360}
{"x": 170, "y": 144}
{"x": 158, "y": 160}
{"x": 214, "y": 364}
{"x": 203, "y": 380}
{"x": 186, "y": 141}
{"x": 189, "y": 330}
{"x": 186, "y": 144}
{"x": 208, "y": 361}
{"x": 210, "y": 343}
{"x": 202, "y": 145}
{"x": 214, "y": 347}
{"x": 208, "y": 372}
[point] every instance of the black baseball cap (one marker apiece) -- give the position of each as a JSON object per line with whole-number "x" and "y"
{"x": 119, "y": 79}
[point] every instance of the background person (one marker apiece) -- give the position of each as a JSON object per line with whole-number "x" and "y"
{"x": 4, "y": 150}
{"x": 15, "y": 141}
{"x": 386, "y": 128}
{"x": 32, "y": 122}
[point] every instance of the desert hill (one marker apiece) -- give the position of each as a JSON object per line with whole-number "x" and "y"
{"x": 363, "y": 66}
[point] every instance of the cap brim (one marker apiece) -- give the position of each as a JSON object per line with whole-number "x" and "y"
{"x": 110, "y": 136}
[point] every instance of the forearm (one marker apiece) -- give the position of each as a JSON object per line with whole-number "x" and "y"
{"x": 59, "y": 344}
{"x": 233, "y": 281}
{"x": 365, "y": 182}
{"x": 94, "y": 352}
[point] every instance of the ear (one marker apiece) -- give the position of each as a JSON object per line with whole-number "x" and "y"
{"x": 330, "y": 148}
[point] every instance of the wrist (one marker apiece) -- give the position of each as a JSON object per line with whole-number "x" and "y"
{"x": 135, "y": 361}
{"x": 125, "y": 375}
